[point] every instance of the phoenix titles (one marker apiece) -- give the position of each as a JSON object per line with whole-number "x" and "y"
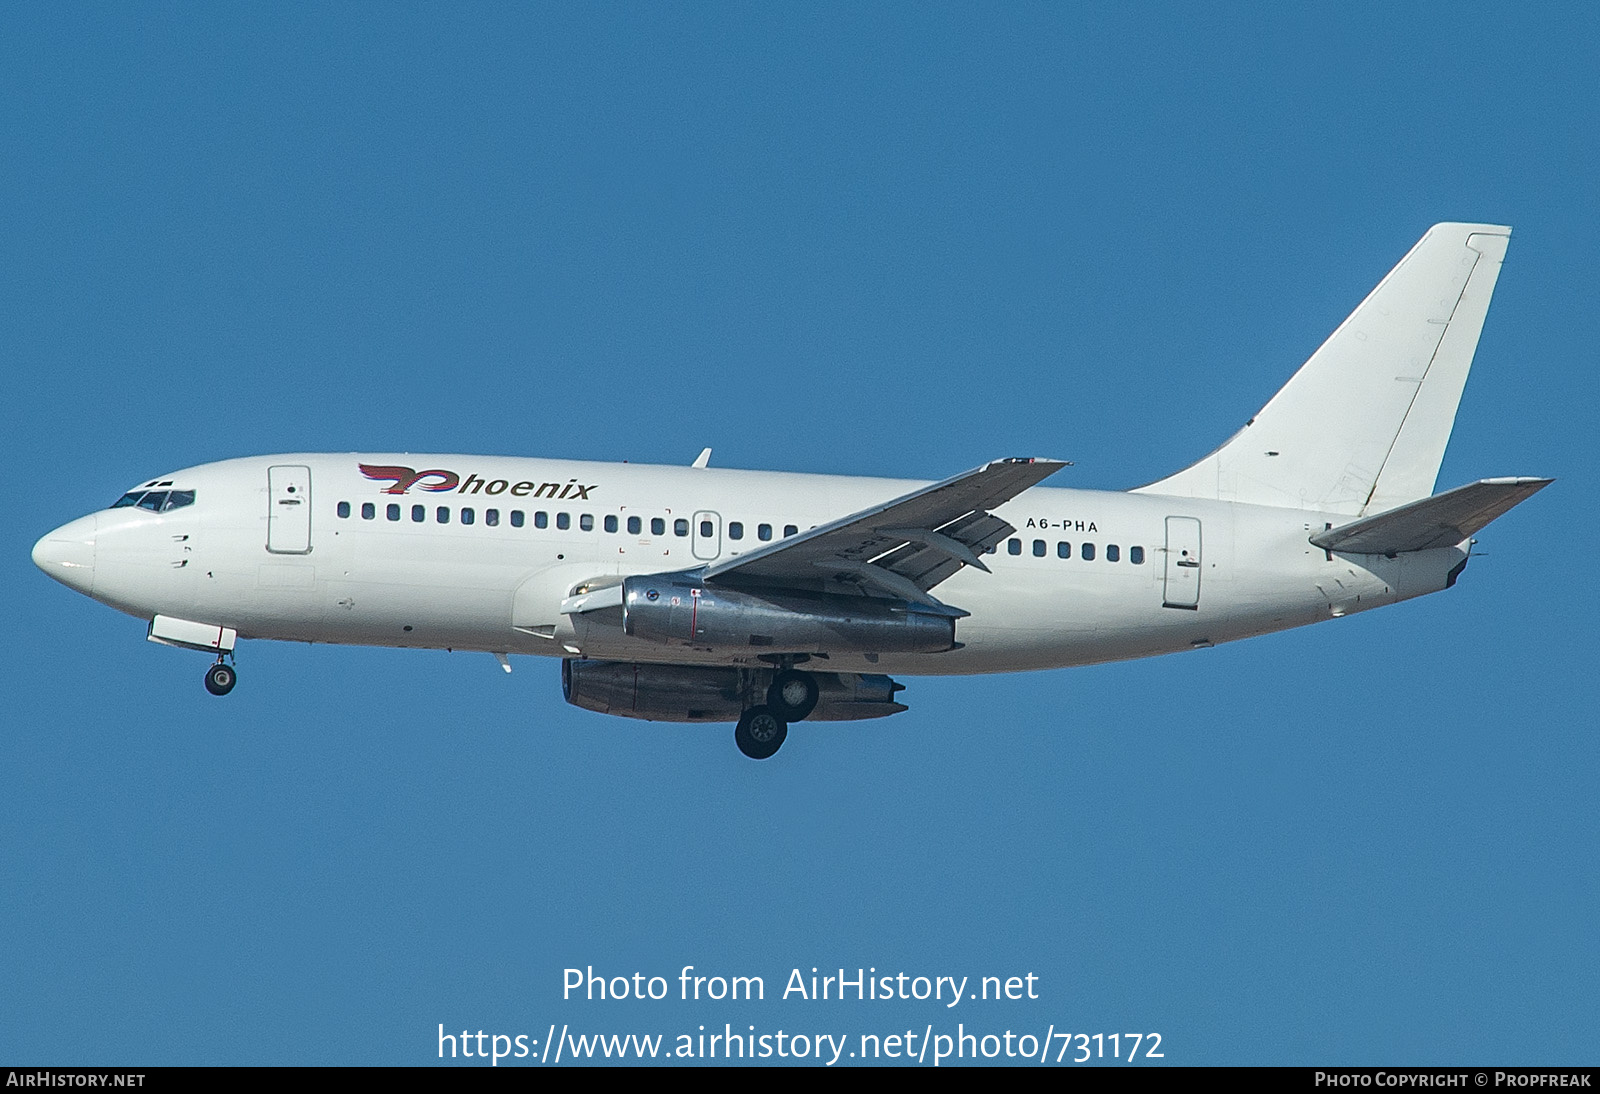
{"x": 437, "y": 481}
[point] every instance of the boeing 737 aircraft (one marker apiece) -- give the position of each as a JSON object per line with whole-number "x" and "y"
{"x": 699, "y": 594}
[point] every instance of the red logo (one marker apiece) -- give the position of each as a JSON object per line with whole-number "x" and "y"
{"x": 404, "y": 478}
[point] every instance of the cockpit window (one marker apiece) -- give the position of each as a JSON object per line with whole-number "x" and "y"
{"x": 156, "y": 501}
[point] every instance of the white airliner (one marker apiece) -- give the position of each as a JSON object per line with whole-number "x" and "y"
{"x": 699, "y": 594}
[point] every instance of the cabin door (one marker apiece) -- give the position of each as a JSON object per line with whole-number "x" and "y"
{"x": 289, "y": 510}
{"x": 1183, "y": 563}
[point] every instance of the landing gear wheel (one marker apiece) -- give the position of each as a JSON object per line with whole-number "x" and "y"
{"x": 220, "y": 679}
{"x": 760, "y": 733}
{"x": 793, "y": 695}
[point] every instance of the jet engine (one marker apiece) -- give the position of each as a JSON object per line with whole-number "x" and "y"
{"x": 674, "y": 610}
{"x": 714, "y": 693}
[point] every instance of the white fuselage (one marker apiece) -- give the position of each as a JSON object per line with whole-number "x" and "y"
{"x": 233, "y": 558}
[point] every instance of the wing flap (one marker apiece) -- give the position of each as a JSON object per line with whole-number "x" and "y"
{"x": 1440, "y": 521}
{"x": 911, "y": 543}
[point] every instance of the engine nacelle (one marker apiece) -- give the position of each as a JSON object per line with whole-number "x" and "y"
{"x": 675, "y": 611}
{"x": 714, "y": 693}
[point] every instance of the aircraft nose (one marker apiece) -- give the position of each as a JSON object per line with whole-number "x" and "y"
{"x": 67, "y": 554}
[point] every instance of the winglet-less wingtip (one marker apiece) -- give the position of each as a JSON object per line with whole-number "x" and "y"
{"x": 1035, "y": 459}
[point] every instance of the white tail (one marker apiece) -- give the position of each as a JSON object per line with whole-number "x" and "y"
{"x": 1362, "y": 427}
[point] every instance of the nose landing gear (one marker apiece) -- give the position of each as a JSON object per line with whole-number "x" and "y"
{"x": 220, "y": 678}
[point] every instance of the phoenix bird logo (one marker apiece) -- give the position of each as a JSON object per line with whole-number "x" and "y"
{"x": 404, "y": 478}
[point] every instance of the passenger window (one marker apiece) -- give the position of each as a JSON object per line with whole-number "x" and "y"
{"x": 344, "y": 509}
{"x": 393, "y": 512}
{"x": 368, "y": 510}
{"x": 179, "y": 498}
{"x": 541, "y": 519}
{"x": 611, "y": 523}
{"x": 1088, "y": 552}
{"x": 789, "y": 529}
{"x": 419, "y": 513}
{"x": 1014, "y": 546}
{"x": 491, "y": 517}
{"x": 586, "y": 522}
{"x": 153, "y": 501}
{"x": 1136, "y": 555}
{"x": 680, "y": 527}
{"x": 467, "y": 515}
{"x": 635, "y": 526}
{"x": 1113, "y": 553}
{"x": 516, "y": 518}
{"x": 563, "y": 521}
{"x": 1038, "y": 548}
{"x": 735, "y": 530}
{"x": 658, "y": 526}
{"x": 706, "y": 530}
{"x": 1063, "y": 550}
{"x": 442, "y": 514}
{"x": 763, "y": 531}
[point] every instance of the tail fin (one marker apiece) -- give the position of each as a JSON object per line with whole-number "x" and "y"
{"x": 1362, "y": 427}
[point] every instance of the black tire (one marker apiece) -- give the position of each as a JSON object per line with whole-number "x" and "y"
{"x": 793, "y": 695}
{"x": 760, "y": 733}
{"x": 220, "y": 679}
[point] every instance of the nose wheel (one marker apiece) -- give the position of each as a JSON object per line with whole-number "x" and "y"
{"x": 220, "y": 678}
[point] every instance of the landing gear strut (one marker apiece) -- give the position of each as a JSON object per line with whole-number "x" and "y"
{"x": 790, "y": 698}
{"x": 760, "y": 732}
{"x": 220, "y": 678}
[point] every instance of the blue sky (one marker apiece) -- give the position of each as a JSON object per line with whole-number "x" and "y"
{"x": 888, "y": 239}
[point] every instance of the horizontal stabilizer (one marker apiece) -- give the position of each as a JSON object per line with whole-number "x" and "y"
{"x": 1440, "y": 521}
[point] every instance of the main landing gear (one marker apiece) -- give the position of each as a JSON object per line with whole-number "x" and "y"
{"x": 760, "y": 733}
{"x": 221, "y": 677}
{"x": 793, "y": 695}
{"x": 762, "y": 729}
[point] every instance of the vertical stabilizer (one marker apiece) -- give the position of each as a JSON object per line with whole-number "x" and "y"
{"x": 1363, "y": 425}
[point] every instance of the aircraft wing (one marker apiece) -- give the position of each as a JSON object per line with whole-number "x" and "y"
{"x": 901, "y": 548}
{"x": 1440, "y": 521}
